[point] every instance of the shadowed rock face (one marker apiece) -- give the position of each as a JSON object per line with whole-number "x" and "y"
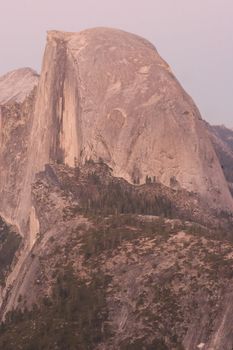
{"x": 107, "y": 94}
{"x": 222, "y": 140}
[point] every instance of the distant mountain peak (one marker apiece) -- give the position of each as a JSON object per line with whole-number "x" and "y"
{"x": 17, "y": 84}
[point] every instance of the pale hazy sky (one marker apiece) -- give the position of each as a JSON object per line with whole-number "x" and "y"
{"x": 194, "y": 36}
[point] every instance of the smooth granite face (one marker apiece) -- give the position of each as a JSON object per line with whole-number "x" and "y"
{"x": 106, "y": 94}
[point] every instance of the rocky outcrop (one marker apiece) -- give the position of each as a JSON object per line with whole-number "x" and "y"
{"x": 17, "y": 94}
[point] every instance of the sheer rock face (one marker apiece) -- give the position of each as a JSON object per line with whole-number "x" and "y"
{"x": 17, "y": 94}
{"x": 107, "y": 94}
